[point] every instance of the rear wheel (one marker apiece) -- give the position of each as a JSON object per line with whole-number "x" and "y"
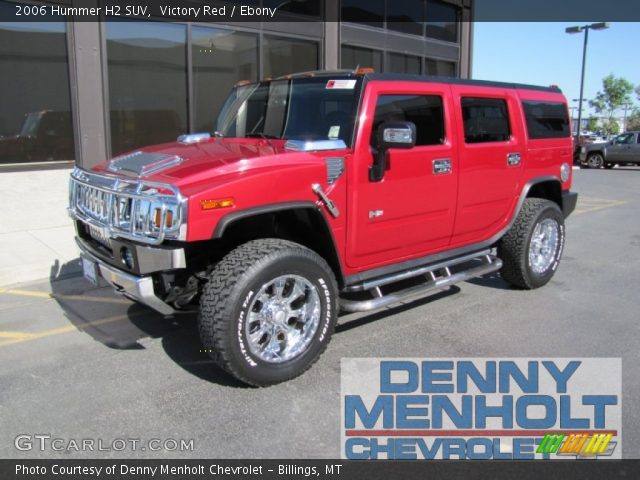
{"x": 531, "y": 249}
{"x": 268, "y": 311}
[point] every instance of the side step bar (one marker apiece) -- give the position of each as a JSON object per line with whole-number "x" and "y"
{"x": 437, "y": 277}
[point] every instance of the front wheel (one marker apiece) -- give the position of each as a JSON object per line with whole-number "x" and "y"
{"x": 531, "y": 249}
{"x": 268, "y": 311}
{"x": 595, "y": 160}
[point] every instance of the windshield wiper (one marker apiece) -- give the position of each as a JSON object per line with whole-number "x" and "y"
{"x": 261, "y": 135}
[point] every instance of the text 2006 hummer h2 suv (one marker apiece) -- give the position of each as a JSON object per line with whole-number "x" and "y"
{"x": 325, "y": 192}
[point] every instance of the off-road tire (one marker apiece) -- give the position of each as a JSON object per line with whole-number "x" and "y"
{"x": 228, "y": 295}
{"x": 513, "y": 248}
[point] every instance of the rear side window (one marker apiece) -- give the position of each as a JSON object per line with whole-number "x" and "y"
{"x": 546, "y": 119}
{"x": 424, "y": 110}
{"x": 485, "y": 120}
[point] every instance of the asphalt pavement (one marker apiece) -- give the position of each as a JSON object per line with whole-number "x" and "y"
{"x": 84, "y": 363}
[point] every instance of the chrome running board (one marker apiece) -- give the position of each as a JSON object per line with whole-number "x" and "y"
{"x": 437, "y": 277}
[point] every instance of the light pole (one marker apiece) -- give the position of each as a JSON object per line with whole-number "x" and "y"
{"x": 578, "y": 29}
{"x": 626, "y": 106}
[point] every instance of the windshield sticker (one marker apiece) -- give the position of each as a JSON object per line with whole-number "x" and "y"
{"x": 342, "y": 84}
{"x": 334, "y": 132}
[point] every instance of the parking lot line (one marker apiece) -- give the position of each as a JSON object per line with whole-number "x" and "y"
{"x": 56, "y": 296}
{"x": 16, "y": 335}
{"x": 21, "y": 337}
{"x": 593, "y": 205}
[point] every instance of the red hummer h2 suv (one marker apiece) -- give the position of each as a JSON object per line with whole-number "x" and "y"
{"x": 324, "y": 192}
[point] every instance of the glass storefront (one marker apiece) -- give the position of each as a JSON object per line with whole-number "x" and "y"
{"x": 352, "y": 57}
{"x": 440, "y": 67}
{"x": 221, "y": 58}
{"x": 444, "y": 21}
{"x": 147, "y": 72}
{"x": 366, "y": 12}
{"x": 399, "y": 63}
{"x": 35, "y": 105}
{"x": 160, "y": 79}
{"x": 282, "y": 56}
{"x": 431, "y": 18}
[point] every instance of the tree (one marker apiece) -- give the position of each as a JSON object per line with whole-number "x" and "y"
{"x": 633, "y": 120}
{"x": 592, "y": 124}
{"x": 610, "y": 126}
{"x": 614, "y": 94}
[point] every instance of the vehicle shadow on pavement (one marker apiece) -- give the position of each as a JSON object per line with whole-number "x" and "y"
{"x": 491, "y": 280}
{"x": 121, "y": 324}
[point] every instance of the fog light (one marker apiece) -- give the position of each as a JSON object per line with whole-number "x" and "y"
{"x": 127, "y": 258}
{"x": 565, "y": 171}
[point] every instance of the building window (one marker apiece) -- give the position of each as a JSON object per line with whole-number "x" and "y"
{"x": 440, "y": 67}
{"x": 367, "y": 12}
{"x": 310, "y": 8}
{"x": 425, "y": 111}
{"x": 147, "y": 72}
{"x": 405, "y": 16}
{"x": 546, "y": 119}
{"x": 352, "y": 57}
{"x": 221, "y": 58}
{"x": 442, "y": 21}
{"x": 485, "y": 120}
{"x": 282, "y": 56}
{"x": 35, "y": 105}
{"x": 399, "y": 63}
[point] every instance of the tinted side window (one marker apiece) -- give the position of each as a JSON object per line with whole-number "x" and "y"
{"x": 485, "y": 120}
{"x": 424, "y": 110}
{"x": 546, "y": 119}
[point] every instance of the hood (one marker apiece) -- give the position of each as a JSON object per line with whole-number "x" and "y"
{"x": 178, "y": 163}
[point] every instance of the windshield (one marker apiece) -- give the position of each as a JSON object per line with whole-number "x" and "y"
{"x": 298, "y": 109}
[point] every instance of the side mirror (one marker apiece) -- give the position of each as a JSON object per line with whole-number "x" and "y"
{"x": 390, "y": 135}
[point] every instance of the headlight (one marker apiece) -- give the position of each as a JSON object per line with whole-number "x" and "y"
{"x": 565, "y": 172}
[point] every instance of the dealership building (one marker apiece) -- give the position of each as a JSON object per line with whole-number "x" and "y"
{"x": 85, "y": 91}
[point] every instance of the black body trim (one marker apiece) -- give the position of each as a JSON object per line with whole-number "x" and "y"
{"x": 569, "y": 201}
{"x": 227, "y": 220}
{"x": 250, "y": 212}
{"x": 456, "y": 81}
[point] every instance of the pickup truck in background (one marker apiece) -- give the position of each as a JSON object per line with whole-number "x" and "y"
{"x": 622, "y": 150}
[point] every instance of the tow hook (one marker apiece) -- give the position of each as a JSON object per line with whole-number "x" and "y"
{"x": 333, "y": 210}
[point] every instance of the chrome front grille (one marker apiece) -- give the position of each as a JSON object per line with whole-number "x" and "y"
{"x": 137, "y": 210}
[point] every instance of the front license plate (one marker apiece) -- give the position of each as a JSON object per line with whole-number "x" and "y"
{"x": 90, "y": 271}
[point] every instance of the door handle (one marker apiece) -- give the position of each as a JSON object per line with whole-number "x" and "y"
{"x": 441, "y": 166}
{"x": 513, "y": 159}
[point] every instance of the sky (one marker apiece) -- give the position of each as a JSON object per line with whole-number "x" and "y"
{"x": 543, "y": 54}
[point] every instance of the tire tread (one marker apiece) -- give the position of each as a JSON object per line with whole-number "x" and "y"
{"x": 215, "y": 303}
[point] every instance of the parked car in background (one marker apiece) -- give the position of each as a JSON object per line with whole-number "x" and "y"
{"x": 622, "y": 150}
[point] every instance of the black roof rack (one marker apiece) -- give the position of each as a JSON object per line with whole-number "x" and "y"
{"x": 457, "y": 81}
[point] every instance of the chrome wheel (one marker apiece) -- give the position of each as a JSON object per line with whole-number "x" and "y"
{"x": 544, "y": 244}
{"x": 595, "y": 161}
{"x": 283, "y": 318}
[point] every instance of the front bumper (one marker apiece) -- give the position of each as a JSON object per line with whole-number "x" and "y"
{"x": 138, "y": 288}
